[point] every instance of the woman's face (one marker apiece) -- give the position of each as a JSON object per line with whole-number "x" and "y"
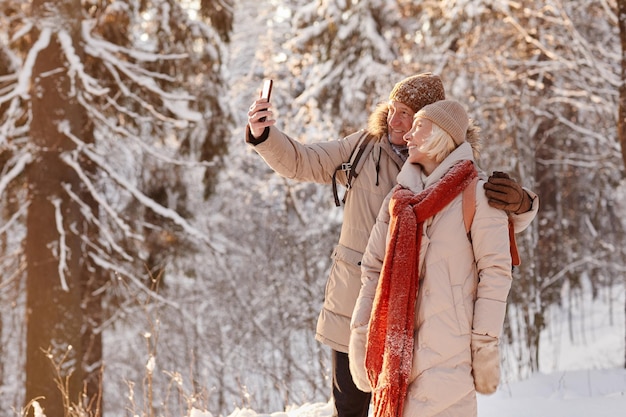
{"x": 415, "y": 138}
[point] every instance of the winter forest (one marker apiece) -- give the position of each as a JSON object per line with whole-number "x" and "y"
{"x": 150, "y": 261}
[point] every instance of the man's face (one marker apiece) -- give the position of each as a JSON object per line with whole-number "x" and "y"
{"x": 399, "y": 121}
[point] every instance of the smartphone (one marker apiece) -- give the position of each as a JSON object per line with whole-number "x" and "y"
{"x": 267, "y": 89}
{"x": 266, "y": 93}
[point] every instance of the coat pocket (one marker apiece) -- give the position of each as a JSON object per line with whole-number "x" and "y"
{"x": 344, "y": 281}
{"x": 465, "y": 325}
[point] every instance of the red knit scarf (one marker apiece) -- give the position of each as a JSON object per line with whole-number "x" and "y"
{"x": 389, "y": 350}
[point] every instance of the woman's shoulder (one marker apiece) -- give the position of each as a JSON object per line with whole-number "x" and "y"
{"x": 482, "y": 203}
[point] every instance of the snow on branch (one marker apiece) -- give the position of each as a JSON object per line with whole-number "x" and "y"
{"x": 9, "y": 277}
{"x": 103, "y": 263}
{"x": 126, "y": 185}
{"x": 587, "y": 132}
{"x": 8, "y": 128}
{"x": 93, "y": 111}
{"x": 88, "y": 214}
{"x": 19, "y": 213}
{"x": 528, "y": 38}
{"x": 7, "y": 81}
{"x": 108, "y": 52}
{"x": 378, "y": 42}
{"x": 16, "y": 170}
{"x": 97, "y": 114}
{"x": 76, "y": 67}
{"x": 95, "y": 45}
{"x": 146, "y": 105}
{"x": 24, "y": 79}
{"x": 62, "y": 249}
{"x": 21, "y": 32}
{"x": 304, "y": 35}
{"x": 573, "y": 265}
{"x": 111, "y": 56}
{"x": 147, "y": 201}
{"x": 70, "y": 160}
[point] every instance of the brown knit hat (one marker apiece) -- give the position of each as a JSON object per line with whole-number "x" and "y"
{"x": 448, "y": 115}
{"x": 418, "y": 90}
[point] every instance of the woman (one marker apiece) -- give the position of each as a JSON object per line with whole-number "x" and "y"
{"x": 426, "y": 325}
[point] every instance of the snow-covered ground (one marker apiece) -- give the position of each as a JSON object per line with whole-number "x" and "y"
{"x": 599, "y": 393}
{"x": 582, "y": 362}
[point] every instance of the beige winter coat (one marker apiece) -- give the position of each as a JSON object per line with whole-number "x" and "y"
{"x": 317, "y": 162}
{"x": 450, "y": 303}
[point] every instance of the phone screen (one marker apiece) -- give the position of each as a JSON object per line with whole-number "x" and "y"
{"x": 267, "y": 89}
{"x": 266, "y": 93}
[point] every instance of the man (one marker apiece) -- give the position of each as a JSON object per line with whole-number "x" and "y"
{"x": 370, "y": 180}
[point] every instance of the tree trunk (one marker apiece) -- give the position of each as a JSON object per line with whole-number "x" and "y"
{"x": 92, "y": 358}
{"x": 60, "y": 341}
{"x": 621, "y": 118}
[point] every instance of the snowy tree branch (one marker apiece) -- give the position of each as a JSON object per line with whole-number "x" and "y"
{"x": 15, "y": 171}
{"x": 572, "y": 266}
{"x": 25, "y": 74}
{"x": 87, "y": 212}
{"x": 141, "y": 197}
{"x": 18, "y": 214}
{"x": 127, "y": 230}
{"x": 62, "y": 249}
{"x": 76, "y": 67}
{"x": 150, "y": 150}
{"x": 103, "y": 263}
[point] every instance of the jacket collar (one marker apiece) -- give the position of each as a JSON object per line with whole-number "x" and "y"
{"x": 385, "y": 146}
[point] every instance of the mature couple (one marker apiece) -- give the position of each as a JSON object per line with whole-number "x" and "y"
{"x": 414, "y": 304}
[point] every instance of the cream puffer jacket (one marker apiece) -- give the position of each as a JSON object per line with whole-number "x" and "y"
{"x": 377, "y": 174}
{"x": 462, "y": 290}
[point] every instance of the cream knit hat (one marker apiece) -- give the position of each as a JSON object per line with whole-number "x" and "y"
{"x": 418, "y": 90}
{"x": 448, "y": 115}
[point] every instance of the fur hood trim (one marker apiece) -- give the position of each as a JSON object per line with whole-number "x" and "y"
{"x": 472, "y": 136}
{"x": 377, "y": 122}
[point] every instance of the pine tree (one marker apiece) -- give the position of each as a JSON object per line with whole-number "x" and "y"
{"x": 345, "y": 57}
{"x": 111, "y": 126}
{"x": 621, "y": 118}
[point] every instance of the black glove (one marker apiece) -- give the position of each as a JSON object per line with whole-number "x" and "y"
{"x": 506, "y": 194}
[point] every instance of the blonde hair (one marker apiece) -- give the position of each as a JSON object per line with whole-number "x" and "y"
{"x": 439, "y": 144}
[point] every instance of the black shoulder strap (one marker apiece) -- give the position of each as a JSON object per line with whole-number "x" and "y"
{"x": 350, "y": 167}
